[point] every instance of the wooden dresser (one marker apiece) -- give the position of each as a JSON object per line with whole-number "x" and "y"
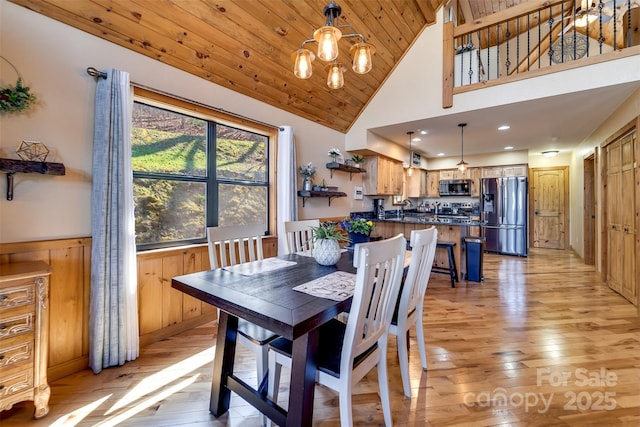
{"x": 24, "y": 335}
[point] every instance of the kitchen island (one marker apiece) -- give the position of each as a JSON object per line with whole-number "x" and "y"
{"x": 449, "y": 230}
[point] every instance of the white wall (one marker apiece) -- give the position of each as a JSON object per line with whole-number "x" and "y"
{"x": 52, "y": 59}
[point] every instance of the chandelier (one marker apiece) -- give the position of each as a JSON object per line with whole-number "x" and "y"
{"x": 327, "y": 38}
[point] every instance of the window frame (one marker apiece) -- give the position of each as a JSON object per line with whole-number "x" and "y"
{"x": 213, "y": 117}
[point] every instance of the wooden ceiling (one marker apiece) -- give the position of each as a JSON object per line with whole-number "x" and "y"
{"x": 247, "y": 45}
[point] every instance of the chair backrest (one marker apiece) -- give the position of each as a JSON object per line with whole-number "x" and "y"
{"x": 379, "y": 272}
{"x": 235, "y": 244}
{"x": 423, "y": 249}
{"x": 299, "y": 234}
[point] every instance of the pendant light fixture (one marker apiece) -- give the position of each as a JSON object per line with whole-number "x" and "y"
{"x": 327, "y": 38}
{"x": 462, "y": 166}
{"x": 410, "y": 170}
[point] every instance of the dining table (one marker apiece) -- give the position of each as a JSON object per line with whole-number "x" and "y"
{"x": 262, "y": 292}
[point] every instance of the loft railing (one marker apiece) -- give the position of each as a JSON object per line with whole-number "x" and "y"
{"x": 535, "y": 37}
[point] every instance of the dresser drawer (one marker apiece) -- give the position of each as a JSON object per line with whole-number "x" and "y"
{"x": 15, "y": 382}
{"x": 18, "y": 322}
{"x": 19, "y": 293}
{"x": 15, "y": 350}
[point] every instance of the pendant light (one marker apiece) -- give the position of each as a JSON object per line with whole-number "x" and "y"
{"x": 462, "y": 166}
{"x": 410, "y": 170}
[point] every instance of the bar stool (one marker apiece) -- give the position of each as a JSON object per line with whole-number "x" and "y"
{"x": 451, "y": 270}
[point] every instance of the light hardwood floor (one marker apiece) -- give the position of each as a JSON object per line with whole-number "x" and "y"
{"x": 542, "y": 342}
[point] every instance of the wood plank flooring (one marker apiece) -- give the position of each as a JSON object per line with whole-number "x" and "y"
{"x": 542, "y": 342}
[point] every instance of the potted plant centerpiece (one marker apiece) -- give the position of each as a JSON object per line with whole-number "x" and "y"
{"x": 308, "y": 171}
{"x": 326, "y": 243}
{"x": 358, "y": 229}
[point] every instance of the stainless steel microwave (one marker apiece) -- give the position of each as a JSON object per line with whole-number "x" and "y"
{"x": 455, "y": 187}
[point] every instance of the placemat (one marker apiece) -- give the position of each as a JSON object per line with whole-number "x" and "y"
{"x": 337, "y": 286}
{"x": 261, "y": 266}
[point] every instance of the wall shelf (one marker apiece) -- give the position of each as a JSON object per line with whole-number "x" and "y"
{"x": 13, "y": 166}
{"x": 328, "y": 194}
{"x": 344, "y": 168}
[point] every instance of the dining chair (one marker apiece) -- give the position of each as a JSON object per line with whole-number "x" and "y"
{"x": 411, "y": 302}
{"x": 299, "y": 234}
{"x": 347, "y": 352}
{"x": 231, "y": 245}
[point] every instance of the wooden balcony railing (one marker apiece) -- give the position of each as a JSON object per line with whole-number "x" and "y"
{"x": 536, "y": 37}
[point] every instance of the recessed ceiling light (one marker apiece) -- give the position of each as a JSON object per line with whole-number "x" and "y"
{"x": 440, "y": 154}
{"x": 504, "y": 127}
{"x": 508, "y": 147}
{"x": 423, "y": 132}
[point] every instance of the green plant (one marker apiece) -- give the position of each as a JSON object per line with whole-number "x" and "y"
{"x": 357, "y": 225}
{"x": 307, "y": 170}
{"x": 16, "y": 99}
{"x": 328, "y": 231}
{"x": 357, "y": 158}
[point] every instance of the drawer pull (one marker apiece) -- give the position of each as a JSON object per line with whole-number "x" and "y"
{"x": 1, "y": 356}
{"x": 1, "y": 386}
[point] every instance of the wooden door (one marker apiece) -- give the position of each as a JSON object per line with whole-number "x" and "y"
{"x": 621, "y": 217}
{"x": 589, "y": 229}
{"x": 549, "y": 205}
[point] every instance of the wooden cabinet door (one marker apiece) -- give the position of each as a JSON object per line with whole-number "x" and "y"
{"x": 549, "y": 191}
{"x": 447, "y": 174}
{"x": 515, "y": 170}
{"x": 433, "y": 184}
{"x": 492, "y": 172}
{"x": 475, "y": 174}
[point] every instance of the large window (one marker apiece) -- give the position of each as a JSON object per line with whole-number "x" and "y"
{"x": 191, "y": 172}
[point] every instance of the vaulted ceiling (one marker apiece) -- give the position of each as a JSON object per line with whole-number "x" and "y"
{"x": 246, "y": 45}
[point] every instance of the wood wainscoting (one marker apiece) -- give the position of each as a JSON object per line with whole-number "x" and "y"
{"x": 162, "y": 311}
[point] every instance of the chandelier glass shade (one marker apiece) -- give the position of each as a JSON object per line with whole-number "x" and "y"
{"x": 462, "y": 165}
{"x": 327, "y": 38}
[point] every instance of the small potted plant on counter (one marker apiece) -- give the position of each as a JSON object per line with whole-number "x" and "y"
{"x": 358, "y": 229}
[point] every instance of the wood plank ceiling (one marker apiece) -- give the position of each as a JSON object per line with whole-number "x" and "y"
{"x": 246, "y": 45}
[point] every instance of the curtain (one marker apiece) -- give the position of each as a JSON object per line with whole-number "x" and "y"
{"x": 287, "y": 200}
{"x": 113, "y": 311}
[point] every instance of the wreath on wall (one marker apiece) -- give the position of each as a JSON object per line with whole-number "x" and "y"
{"x": 15, "y": 99}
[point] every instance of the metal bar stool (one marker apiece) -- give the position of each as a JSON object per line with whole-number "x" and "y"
{"x": 451, "y": 270}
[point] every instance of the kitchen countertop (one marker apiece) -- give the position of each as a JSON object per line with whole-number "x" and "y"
{"x": 434, "y": 220}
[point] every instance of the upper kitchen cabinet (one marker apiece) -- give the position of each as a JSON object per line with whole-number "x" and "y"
{"x": 416, "y": 184}
{"x": 433, "y": 183}
{"x": 500, "y": 171}
{"x": 384, "y": 176}
{"x": 454, "y": 174}
{"x": 475, "y": 175}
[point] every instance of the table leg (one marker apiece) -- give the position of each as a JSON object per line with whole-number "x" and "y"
{"x": 223, "y": 363}
{"x": 303, "y": 379}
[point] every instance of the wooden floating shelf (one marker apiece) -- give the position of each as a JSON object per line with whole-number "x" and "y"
{"x": 328, "y": 194}
{"x": 13, "y": 166}
{"x": 344, "y": 168}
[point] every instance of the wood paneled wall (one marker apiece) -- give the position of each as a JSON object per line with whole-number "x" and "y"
{"x": 162, "y": 310}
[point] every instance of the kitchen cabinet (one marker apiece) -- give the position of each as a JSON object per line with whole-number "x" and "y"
{"x": 383, "y": 176}
{"x": 455, "y": 174}
{"x": 416, "y": 184}
{"x": 475, "y": 174}
{"x": 24, "y": 335}
{"x": 500, "y": 171}
{"x": 433, "y": 183}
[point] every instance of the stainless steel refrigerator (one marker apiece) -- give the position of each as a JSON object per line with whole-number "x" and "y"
{"x": 503, "y": 206}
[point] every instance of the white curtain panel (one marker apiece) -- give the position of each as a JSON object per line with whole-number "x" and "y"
{"x": 287, "y": 200}
{"x": 113, "y": 312}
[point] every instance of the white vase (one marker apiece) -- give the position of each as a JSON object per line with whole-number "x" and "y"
{"x": 326, "y": 252}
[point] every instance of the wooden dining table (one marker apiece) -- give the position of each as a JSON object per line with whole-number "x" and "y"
{"x": 267, "y": 299}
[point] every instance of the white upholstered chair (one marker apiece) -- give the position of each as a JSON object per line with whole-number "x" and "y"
{"x": 299, "y": 234}
{"x": 347, "y": 352}
{"x": 410, "y": 305}
{"x": 233, "y": 245}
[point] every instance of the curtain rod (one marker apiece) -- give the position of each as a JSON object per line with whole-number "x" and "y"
{"x": 93, "y": 72}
